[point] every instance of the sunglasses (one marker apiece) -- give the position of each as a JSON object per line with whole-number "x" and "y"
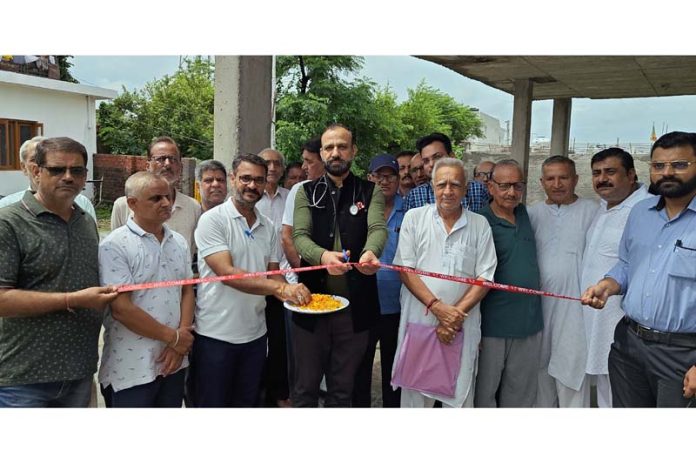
{"x": 55, "y": 171}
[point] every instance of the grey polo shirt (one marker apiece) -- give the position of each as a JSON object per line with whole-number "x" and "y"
{"x": 39, "y": 251}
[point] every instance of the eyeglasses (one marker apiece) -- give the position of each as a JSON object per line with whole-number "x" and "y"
{"x": 383, "y": 178}
{"x": 247, "y": 179}
{"x": 677, "y": 166}
{"x": 413, "y": 170}
{"x": 485, "y": 175}
{"x": 164, "y": 159}
{"x": 518, "y": 186}
{"x": 55, "y": 171}
{"x": 277, "y": 163}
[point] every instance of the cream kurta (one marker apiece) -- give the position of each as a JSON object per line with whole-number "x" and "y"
{"x": 185, "y": 214}
{"x": 560, "y": 239}
{"x": 601, "y": 253}
{"x": 467, "y": 251}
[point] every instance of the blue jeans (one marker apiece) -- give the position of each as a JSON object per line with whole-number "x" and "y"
{"x": 224, "y": 374}
{"x": 163, "y": 392}
{"x": 58, "y": 394}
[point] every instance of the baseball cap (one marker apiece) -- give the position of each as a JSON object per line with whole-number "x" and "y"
{"x": 384, "y": 160}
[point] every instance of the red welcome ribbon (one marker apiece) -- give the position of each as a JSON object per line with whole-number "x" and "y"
{"x": 398, "y": 268}
{"x": 475, "y": 282}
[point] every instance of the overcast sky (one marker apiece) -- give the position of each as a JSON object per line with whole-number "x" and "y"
{"x": 601, "y": 121}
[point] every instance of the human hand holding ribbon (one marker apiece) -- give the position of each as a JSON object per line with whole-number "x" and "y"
{"x": 397, "y": 268}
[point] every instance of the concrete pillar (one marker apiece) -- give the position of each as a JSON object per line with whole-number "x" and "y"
{"x": 522, "y": 123}
{"x": 560, "y": 126}
{"x": 243, "y": 105}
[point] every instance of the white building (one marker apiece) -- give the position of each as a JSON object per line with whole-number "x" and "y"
{"x": 31, "y": 106}
{"x": 493, "y": 134}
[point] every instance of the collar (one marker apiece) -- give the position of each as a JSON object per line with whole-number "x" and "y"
{"x": 658, "y": 202}
{"x": 138, "y": 230}
{"x": 638, "y": 195}
{"x": 460, "y": 223}
{"x": 280, "y": 191}
{"x": 499, "y": 220}
{"x": 236, "y": 215}
{"x": 31, "y": 204}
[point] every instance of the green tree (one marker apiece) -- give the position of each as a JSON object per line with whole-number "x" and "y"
{"x": 430, "y": 110}
{"x": 180, "y": 106}
{"x": 315, "y": 91}
{"x": 64, "y": 65}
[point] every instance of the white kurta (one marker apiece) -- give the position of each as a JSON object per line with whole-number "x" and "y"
{"x": 560, "y": 240}
{"x": 467, "y": 251}
{"x": 601, "y": 253}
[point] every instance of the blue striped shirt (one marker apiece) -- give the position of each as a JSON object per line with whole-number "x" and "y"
{"x": 476, "y": 196}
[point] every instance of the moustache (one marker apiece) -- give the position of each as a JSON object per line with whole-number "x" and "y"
{"x": 668, "y": 179}
{"x": 250, "y": 190}
{"x": 604, "y": 185}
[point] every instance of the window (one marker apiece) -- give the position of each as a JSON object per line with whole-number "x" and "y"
{"x": 12, "y": 134}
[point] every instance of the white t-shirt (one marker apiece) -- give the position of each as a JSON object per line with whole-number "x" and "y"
{"x": 130, "y": 255}
{"x": 223, "y": 312}
{"x": 560, "y": 242}
{"x": 289, "y": 212}
{"x": 601, "y": 253}
{"x": 467, "y": 251}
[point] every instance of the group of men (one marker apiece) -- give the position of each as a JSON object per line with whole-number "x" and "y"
{"x": 232, "y": 342}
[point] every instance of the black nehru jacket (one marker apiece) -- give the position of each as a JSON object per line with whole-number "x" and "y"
{"x": 336, "y": 203}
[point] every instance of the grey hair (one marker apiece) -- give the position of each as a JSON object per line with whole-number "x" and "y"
{"x": 507, "y": 163}
{"x": 210, "y": 164}
{"x": 28, "y": 146}
{"x": 271, "y": 150}
{"x": 136, "y": 183}
{"x": 448, "y": 162}
{"x": 558, "y": 159}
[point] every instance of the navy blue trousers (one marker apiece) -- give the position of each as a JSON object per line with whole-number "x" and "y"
{"x": 163, "y": 392}
{"x": 222, "y": 374}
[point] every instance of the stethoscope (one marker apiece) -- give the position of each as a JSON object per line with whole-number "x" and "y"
{"x": 353, "y": 209}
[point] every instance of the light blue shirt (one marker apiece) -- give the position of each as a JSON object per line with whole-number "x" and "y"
{"x": 657, "y": 267}
{"x": 389, "y": 281}
{"x": 81, "y": 200}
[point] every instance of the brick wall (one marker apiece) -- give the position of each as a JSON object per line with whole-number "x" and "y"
{"x": 116, "y": 168}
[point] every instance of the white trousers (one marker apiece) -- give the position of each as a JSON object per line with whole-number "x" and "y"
{"x": 551, "y": 393}
{"x": 414, "y": 399}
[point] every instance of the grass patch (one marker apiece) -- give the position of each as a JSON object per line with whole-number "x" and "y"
{"x": 104, "y": 217}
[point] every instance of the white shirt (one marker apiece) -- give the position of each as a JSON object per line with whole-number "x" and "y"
{"x": 81, "y": 200}
{"x": 273, "y": 207}
{"x": 288, "y": 219}
{"x": 130, "y": 255}
{"x": 601, "y": 253}
{"x": 185, "y": 214}
{"x": 467, "y": 251}
{"x": 223, "y": 312}
{"x": 560, "y": 241}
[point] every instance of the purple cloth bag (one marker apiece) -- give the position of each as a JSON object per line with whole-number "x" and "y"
{"x": 427, "y": 365}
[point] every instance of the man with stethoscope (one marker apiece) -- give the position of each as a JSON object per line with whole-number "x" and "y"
{"x": 338, "y": 218}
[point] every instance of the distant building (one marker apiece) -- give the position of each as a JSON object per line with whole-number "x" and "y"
{"x": 41, "y": 106}
{"x": 494, "y": 135}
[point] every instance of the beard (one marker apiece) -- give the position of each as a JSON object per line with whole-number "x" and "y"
{"x": 676, "y": 189}
{"x": 337, "y": 166}
{"x": 239, "y": 197}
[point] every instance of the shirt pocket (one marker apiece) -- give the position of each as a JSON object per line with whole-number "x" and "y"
{"x": 460, "y": 260}
{"x": 683, "y": 263}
